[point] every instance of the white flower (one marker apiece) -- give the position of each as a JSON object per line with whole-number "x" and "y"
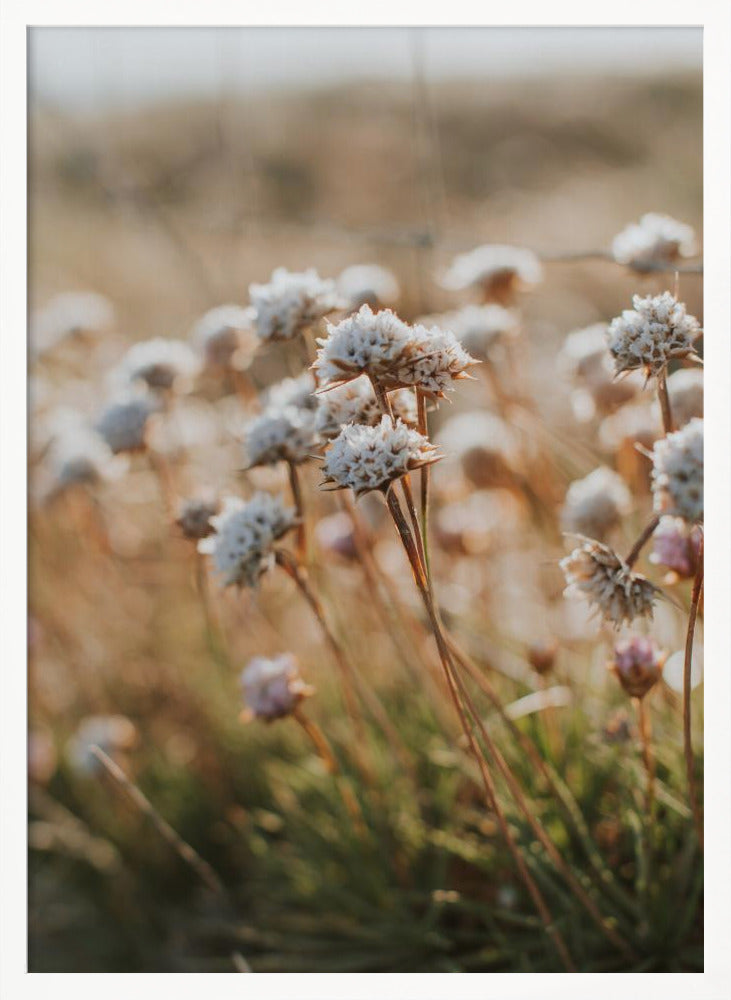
{"x": 596, "y": 504}
{"x": 356, "y": 403}
{"x": 685, "y": 388}
{"x": 677, "y": 472}
{"x": 480, "y": 328}
{"x": 436, "y": 360}
{"x": 225, "y": 337}
{"x": 79, "y": 456}
{"x": 365, "y": 458}
{"x": 496, "y": 270}
{"x": 111, "y": 733}
{"x": 280, "y": 435}
{"x": 655, "y": 241}
{"x": 194, "y": 516}
{"x": 160, "y": 363}
{"x": 368, "y": 284}
{"x": 676, "y": 546}
{"x": 299, "y": 392}
{"x": 291, "y": 302}
{"x": 487, "y": 448}
{"x": 596, "y": 573}
{"x": 648, "y": 336}
{"x": 67, "y": 315}
{"x": 584, "y": 358}
{"x": 272, "y": 687}
{"x": 242, "y": 548}
{"x": 124, "y": 423}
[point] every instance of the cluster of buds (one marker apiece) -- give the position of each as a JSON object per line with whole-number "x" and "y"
{"x": 637, "y": 664}
{"x": 651, "y": 334}
{"x": 272, "y": 687}
{"x": 291, "y": 303}
{"x": 596, "y": 573}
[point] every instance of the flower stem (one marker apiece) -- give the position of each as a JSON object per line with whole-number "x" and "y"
{"x": 664, "y": 397}
{"x": 643, "y": 721}
{"x": 423, "y": 424}
{"x": 644, "y": 537}
{"x": 296, "y": 488}
{"x": 687, "y": 740}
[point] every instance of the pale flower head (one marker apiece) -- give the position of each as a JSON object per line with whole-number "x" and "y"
{"x": 637, "y": 665}
{"x": 195, "y": 514}
{"x": 242, "y": 548}
{"x": 585, "y": 360}
{"x": 650, "y": 335}
{"x": 365, "y": 343}
{"x": 67, "y": 315}
{"x": 596, "y": 573}
{"x": 299, "y": 392}
{"x": 272, "y": 686}
{"x": 685, "y": 388}
{"x": 280, "y": 435}
{"x": 368, "y": 284}
{"x": 498, "y": 271}
{"x": 479, "y": 329}
{"x": 487, "y": 448}
{"x": 596, "y": 504}
{"x": 676, "y": 546}
{"x": 226, "y": 338}
{"x": 124, "y": 424}
{"x": 356, "y": 403}
{"x": 291, "y": 302}
{"x": 160, "y": 363}
{"x": 656, "y": 241}
{"x": 435, "y": 361}
{"x": 79, "y": 456}
{"x": 677, "y": 472}
{"x": 365, "y": 458}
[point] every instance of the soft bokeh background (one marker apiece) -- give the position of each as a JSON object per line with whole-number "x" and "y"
{"x": 168, "y": 170}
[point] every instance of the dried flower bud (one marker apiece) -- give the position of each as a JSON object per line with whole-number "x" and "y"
{"x": 161, "y": 364}
{"x": 78, "y": 456}
{"x": 676, "y": 545}
{"x": 542, "y": 656}
{"x": 291, "y": 303}
{"x": 272, "y": 687}
{"x": 497, "y": 271}
{"x": 655, "y": 241}
{"x": 637, "y": 665}
{"x": 299, "y": 392}
{"x": 650, "y": 335}
{"x": 194, "y": 517}
{"x": 124, "y": 424}
{"x": 226, "y": 338}
{"x": 596, "y": 573}
{"x": 677, "y": 472}
{"x": 596, "y": 504}
{"x": 280, "y": 435}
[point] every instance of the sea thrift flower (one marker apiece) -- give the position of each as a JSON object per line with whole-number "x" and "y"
{"x": 368, "y": 284}
{"x": 487, "y": 448}
{"x": 161, "y": 364}
{"x": 596, "y": 504}
{"x": 272, "y": 687}
{"x": 291, "y": 302}
{"x": 280, "y": 435}
{"x": 242, "y": 549}
{"x": 124, "y": 423}
{"x": 114, "y": 734}
{"x": 596, "y": 573}
{"x": 81, "y": 457}
{"x": 365, "y": 458}
{"x": 648, "y": 336}
{"x": 637, "y": 665}
{"x": 498, "y": 271}
{"x": 584, "y": 358}
{"x": 677, "y": 472}
{"x": 226, "y": 338}
{"x": 655, "y": 241}
{"x": 68, "y": 315}
{"x": 299, "y": 392}
{"x": 436, "y": 360}
{"x": 481, "y": 328}
{"x": 356, "y": 403}
{"x": 676, "y": 546}
{"x": 685, "y": 388}
{"x": 194, "y": 517}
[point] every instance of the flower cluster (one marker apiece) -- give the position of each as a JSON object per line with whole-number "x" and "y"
{"x": 280, "y": 435}
{"x": 356, "y": 403}
{"x": 481, "y": 328}
{"x": 242, "y": 548}
{"x": 676, "y": 546}
{"x": 124, "y": 423}
{"x": 67, "y": 315}
{"x": 365, "y": 458}
{"x": 637, "y": 665}
{"x": 487, "y": 448}
{"x": 225, "y": 337}
{"x": 368, "y": 284}
{"x": 498, "y": 271}
{"x": 584, "y": 359}
{"x": 685, "y": 388}
{"x": 291, "y": 302}
{"x": 272, "y": 687}
{"x": 194, "y": 517}
{"x": 596, "y": 504}
{"x": 677, "y": 472}
{"x": 655, "y": 241}
{"x": 78, "y": 456}
{"x": 596, "y": 573}
{"x": 648, "y": 336}
{"x": 159, "y": 363}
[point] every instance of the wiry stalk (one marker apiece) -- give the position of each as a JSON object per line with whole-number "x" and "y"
{"x": 687, "y": 739}
{"x": 423, "y": 425}
{"x": 644, "y": 537}
{"x": 664, "y": 398}
{"x": 296, "y": 488}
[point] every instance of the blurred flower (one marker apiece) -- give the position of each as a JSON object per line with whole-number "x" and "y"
{"x": 637, "y": 665}
{"x": 655, "y": 241}
{"x": 498, "y": 271}
{"x": 42, "y": 758}
{"x": 67, "y": 315}
{"x": 280, "y": 435}
{"x": 596, "y": 504}
{"x": 242, "y": 549}
{"x": 474, "y": 525}
{"x": 79, "y": 456}
{"x": 648, "y": 336}
{"x": 677, "y": 472}
{"x": 674, "y": 670}
{"x": 365, "y": 458}
{"x": 487, "y": 448}
{"x": 335, "y": 534}
{"x": 356, "y": 403}
{"x": 160, "y": 363}
{"x": 618, "y": 728}
{"x": 272, "y": 687}
{"x": 368, "y": 284}
{"x": 542, "y": 656}
{"x": 124, "y": 423}
{"x": 226, "y": 338}
{"x": 194, "y": 516}
{"x": 298, "y": 392}
{"x": 481, "y": 328}
{"x": 584, "y": 358}
{"x": 114, "y": 734}
{"x": 621, "y": 433}
{"x": 676, "y": 546}
{"x": 685, "y": 388}
{"x": 291, "y": 302}
{"x": 596, "y": 573}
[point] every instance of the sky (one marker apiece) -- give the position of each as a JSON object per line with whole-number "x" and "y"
{"x": 89, "y": 69}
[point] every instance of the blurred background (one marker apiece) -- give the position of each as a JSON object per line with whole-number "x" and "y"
{"x": 169, "y": 169}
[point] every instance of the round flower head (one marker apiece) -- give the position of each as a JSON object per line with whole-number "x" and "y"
{"x": 638, "y": 664}
{"x": 596, "y": 573}
{"x": 655, "y": 241}
{"x": 114, "y": 734}
{"x": 498, "y": 271}
{"x": 368, "y": 284}
{"x": 68, "y": 315}
{"x": 272, "y": 687}
{"x": 685, "y": 388}
{"x": 159, "y": 363}
{"x": 648, "y": 336}
{"x": 242, "y": 549}
{"x": 676, "y": 546}
{"x": 365, "y": 343}
{"x": 124, "y": 423}
{"x": 435, "y": 360}
{"x": 291, "y": 302}
{"x": 487, "y": 448}
{"x": 81, "y": 457}
{"x": 194, "y": 517}
{"x": 225, "y": 337}
{"x": 280, "y": 435}
{"x": 356, "y": 403}
{"x": 677, "y": 472}
{"x": 365, "y": 458}
{"x": 299, "y": 392}
{"x": 596, "y": 504}
{"x": 481, "y": 328}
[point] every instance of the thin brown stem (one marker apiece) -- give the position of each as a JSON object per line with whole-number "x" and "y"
{"x": 296, "y": 488}
{"x": 687, "y": 738}
{"x": 664, "y": 397}
{"x": 423, "y": 424}
{"x": 644, "y": 537}
{"x": 161, "y": 468}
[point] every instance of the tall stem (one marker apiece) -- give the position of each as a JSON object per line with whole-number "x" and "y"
{"x": 643, "y": 721}
{"x": 687, "y": 739}
{"x": 296, "y": 488}
{"x": 423, "y": 424}
{"x": 644, "y": 537}
{"x": 664, "y": 396}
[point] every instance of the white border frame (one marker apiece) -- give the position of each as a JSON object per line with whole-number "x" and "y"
{"x": 715, "y": 18}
